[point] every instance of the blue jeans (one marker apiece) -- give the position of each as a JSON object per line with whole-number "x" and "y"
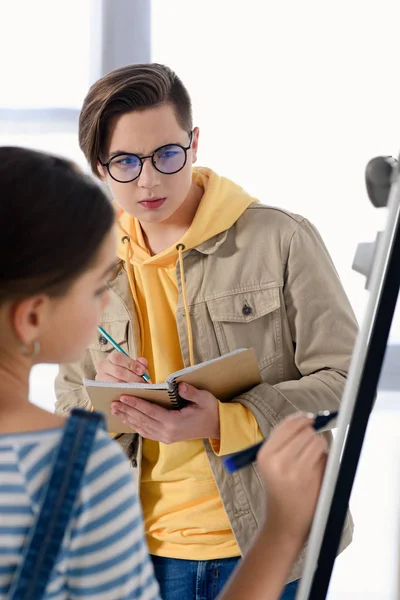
{"x": 199, "y": 579}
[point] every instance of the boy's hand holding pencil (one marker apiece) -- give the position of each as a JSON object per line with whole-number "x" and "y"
{"x": 119, "y": 367}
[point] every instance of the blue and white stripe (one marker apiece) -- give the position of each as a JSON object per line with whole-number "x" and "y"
{"x": 104, "y": 553}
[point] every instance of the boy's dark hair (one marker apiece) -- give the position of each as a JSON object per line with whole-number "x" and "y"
{"x": 53, "y": 220}
{"x": 124, "y": 90}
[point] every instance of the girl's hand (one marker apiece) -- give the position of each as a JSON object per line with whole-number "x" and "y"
{"x": 292, "y": 464}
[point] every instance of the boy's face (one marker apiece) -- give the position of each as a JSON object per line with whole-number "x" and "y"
{"x": 153, "y": 196}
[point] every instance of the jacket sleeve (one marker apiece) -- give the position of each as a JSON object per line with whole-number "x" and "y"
{"x": 70, "y": 392}
{"x": 323, "y": 330}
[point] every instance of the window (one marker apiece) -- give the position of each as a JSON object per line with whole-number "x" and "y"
{"x": 44, "y": 50}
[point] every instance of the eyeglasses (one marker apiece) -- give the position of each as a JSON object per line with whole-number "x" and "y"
{"x": 168, "y": 159}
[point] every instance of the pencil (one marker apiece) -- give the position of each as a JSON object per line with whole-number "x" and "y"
{"x": 118, "y": 347}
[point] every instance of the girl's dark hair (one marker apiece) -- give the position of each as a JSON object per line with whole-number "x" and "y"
{"x": 53, "y": 220}
{"x": 131, "y": 88}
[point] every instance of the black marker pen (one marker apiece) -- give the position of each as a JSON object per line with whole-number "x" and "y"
{"x": 241, "y": 459}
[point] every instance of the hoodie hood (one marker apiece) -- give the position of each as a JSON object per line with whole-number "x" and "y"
{"x": 223, "y": 202}
{"x": 152, "y": 279}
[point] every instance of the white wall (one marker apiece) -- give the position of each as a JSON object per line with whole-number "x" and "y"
{"x": 292, "y": 99}
{"x": 44, "y": 53}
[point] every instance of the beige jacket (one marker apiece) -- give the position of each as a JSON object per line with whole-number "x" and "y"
{"x": 266, "y": 283}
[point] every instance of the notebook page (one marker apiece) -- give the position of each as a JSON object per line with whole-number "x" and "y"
{"x": 113, "y": 384}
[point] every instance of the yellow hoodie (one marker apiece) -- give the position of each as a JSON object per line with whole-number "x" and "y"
{"x": 183, "y": 512}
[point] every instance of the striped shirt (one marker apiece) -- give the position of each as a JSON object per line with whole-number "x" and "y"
{"x": 104, "y": 553}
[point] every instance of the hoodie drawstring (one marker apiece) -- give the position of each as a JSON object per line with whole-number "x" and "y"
{"x": 180, "y": 248}
{"x": 128, "y": 265}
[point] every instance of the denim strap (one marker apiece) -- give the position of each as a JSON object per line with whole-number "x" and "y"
{"x": 59, "y": 496}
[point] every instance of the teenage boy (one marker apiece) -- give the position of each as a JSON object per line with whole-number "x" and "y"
{"x": 204, "y": 269}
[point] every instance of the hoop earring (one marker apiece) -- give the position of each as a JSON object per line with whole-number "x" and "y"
{"x": 34, "y": 351}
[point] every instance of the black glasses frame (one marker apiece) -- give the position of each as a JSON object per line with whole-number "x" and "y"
{"x": 143, "y": 158}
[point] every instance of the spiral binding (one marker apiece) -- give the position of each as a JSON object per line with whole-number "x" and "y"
{"x": 174, "y": 396}
{"x": 176, "y": 400}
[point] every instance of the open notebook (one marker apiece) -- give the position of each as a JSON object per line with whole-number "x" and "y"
{"x": 225, "y": 377}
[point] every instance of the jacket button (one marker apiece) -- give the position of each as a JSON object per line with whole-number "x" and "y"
{"x": 134, "y": 463}
{"x": 247, "y": 310}
{"x": 103, "y": 340}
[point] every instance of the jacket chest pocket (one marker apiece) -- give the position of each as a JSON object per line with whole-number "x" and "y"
{"x": 249, "y": 320}
{"x": 101, "y": 347}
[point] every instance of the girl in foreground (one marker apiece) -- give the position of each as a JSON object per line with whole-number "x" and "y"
{"x": 57, "y": 249}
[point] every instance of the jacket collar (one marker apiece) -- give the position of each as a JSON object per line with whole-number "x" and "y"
{"x": 207, "y": 247}
{"x": 210, "y": 246}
